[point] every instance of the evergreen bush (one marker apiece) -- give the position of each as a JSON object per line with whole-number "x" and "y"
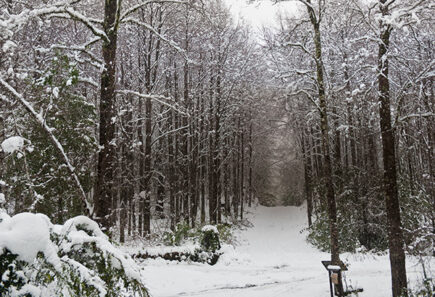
{"x": 72, "y": 260}
{"x": 209, "y": 238}
{"x": 36, "y": 174}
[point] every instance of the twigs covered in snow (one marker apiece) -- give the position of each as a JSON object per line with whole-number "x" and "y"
{"x": 158, "y": 98}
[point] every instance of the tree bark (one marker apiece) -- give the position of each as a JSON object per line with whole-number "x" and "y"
{"x": 106, "y": 154}
{"x": 395, "y": 236}
{"x": 307, "y": 176}
{"x": 250, "y": 164}
{"x": 324, "y": 128}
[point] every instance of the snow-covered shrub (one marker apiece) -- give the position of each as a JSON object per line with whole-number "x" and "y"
{"x": 209, "y": 238}
{"x": 417, "y": 227}
{"x": 32, "y": 167}
{"x": 206, "y": 241}
{"x": 38, "y": 258}
{"x": 225, "y": 232}
{"x": 424, "y": 286}
{"x": 183, "y": 233}
{"x": 362, "y": 216}
{"x": 179, "y": 235}
{"x": 9, "y": 266}
{"x": 424, "y": 289}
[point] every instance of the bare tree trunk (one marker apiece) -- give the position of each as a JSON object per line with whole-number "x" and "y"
{"x": 350, "y": 117}
{"x": 395, "y": 236}
{"x": 203, "y": 158}
{"x": 186, "y": 138}
{"x": 318, "y": 153}
{"x": 146, "y": 191}
{"x": 171, "y": 174}
{"x": 127, "y": 165}
{"x": 324, "y": 128}
{"x": 171, "y": 168}
{"x": 216, "y": 149}
{"x": 235, "y": 176}
{"x": 106, "y": 155}
{"x": 226, "y": 179}
{"x": 212, "y": 195}
{"x": 160, "y": 187}
{"x": 307, "y": 176}
{"x": 177, "y": 179}
{"x": 250, "y": 162}
{"x": 142, "y": 172}
{"x": 242, "y": 171}
{"x": 337, "y": 143}
{"x": 193, "y": 149}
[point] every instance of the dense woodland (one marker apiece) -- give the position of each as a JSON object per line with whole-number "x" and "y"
{"x": 136, "y": 112}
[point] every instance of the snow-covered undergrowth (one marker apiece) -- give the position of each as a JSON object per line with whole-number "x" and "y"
{"x": 201, "y": 244}
{"x": 38, "y": 258}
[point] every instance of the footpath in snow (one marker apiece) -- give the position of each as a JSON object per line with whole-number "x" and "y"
{"x": 271, "y": 259}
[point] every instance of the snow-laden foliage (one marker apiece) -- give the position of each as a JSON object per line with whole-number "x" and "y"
{"x": 209, "y": 238}
{"x": 183, "y": 234}
{"x": 38, "y": 258}
{"x": 200, "y": 244}
{"x": 12, "y": 144}
{"x": 32, "y": 166}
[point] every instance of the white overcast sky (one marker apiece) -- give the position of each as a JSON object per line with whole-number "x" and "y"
{"x": 260, "y": 13}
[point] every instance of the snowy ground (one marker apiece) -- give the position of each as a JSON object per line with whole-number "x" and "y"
{"x": 272, "y": 259}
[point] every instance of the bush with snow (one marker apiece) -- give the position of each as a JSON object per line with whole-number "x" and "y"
{"x": 181, "y": 233}
{"x": 38, "y": 258}
{"x": 209, "y": 238}
{"x": 204, "y": 243}
{"x": 31, "y": 166}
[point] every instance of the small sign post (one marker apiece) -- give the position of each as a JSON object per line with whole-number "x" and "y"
{"x": 334, "y": 276}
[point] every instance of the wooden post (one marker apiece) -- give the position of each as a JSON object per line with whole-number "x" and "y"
{"x": 330, "y": 284}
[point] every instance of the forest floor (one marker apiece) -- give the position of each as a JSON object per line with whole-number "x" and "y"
{"x": 271, "y": 259}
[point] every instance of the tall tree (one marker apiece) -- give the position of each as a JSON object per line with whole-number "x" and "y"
{"x": 106, "y": 154}
{"x": 395, "y": 236}
{"x": 315, "y": 19}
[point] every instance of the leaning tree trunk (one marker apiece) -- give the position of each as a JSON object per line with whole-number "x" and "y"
{"x": 106, "y": 155}
{"x": 397, "y": 254}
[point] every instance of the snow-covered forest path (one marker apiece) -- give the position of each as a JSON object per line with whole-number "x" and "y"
{"x": 271, "y": 259}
